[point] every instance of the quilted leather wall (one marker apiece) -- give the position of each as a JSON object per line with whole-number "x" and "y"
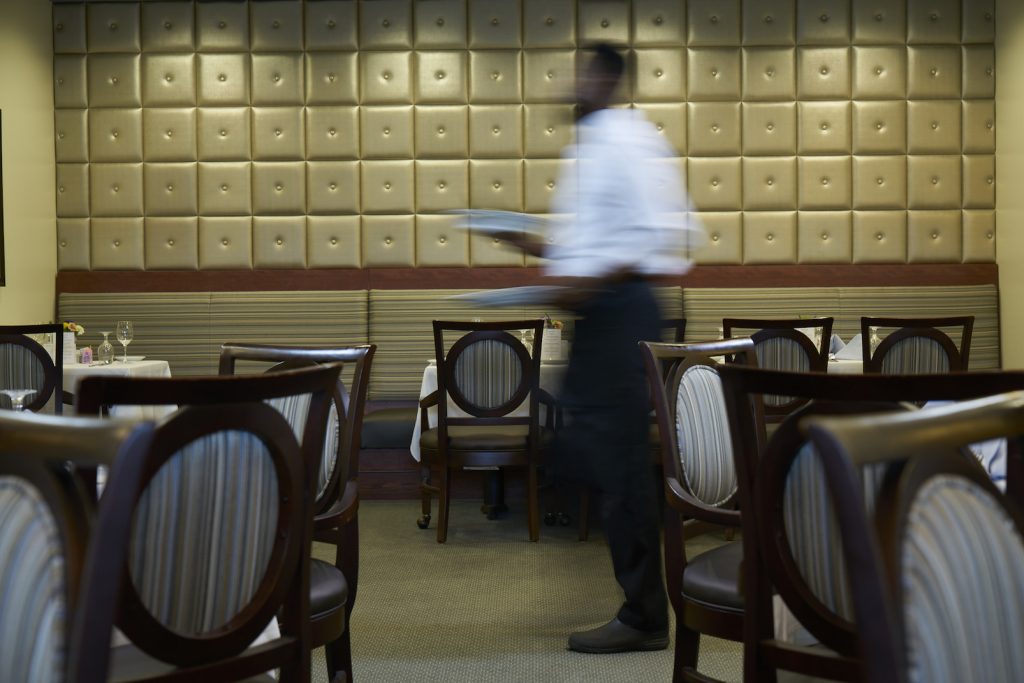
{"x": 334, "y": 133}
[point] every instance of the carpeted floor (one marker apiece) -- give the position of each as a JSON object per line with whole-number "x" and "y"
{"x": 489, "y": 605}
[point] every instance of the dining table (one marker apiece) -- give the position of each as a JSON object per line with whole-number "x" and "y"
{"x": 74, "y": 373}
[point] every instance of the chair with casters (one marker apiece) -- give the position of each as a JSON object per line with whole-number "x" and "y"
{"x": 792, "y": 552}
{"x": 793, "y": 345}
{"x": 25, "y": 364}
{"x": 700, "y": 489}
{"x": 216, "y": 528}
{"x": 916, "y": 346}
{"x": 487, "y": 402}
{"x": 336, "y": 506}
{"x": 943, "y": 543}
{"x": 45, "y": 523}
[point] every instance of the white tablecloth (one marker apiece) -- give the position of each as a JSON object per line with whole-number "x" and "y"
{"x": 551, "y": 375}
{"x": 845, "y": 367}
{"x": 75, "y": 372}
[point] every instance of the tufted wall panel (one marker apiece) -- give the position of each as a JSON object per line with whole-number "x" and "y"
{"x": 335, "y": 133}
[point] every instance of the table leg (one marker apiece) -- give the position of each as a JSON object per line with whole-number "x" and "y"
{"x": 494, "y": 494}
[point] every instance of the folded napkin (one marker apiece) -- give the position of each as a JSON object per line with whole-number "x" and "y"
{"x": 836, "y": 344}
{"x": 851, "y": 351}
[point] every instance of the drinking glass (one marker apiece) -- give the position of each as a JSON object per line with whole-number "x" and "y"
{"x": 105, "y": 351}
{"x": 17, "y": 397}
{"x": 125, "y": 332}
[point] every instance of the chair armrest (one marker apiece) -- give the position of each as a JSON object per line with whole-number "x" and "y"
{"x": 343, "y": 511}
{"x": 685, "y": 503}
{"x": 428, "y": 401}
{"x": 553, "y": 418}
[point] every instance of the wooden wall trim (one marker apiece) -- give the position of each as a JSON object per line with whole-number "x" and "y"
{"x": 704, "y": 277}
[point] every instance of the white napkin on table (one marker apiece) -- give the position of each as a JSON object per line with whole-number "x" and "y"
{"x": 851, "y": 351}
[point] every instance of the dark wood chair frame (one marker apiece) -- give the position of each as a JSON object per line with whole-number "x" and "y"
{"x": 528, "y": 390}
{"x": 678, "y": 327}
{"x": 767, "y": 329}
{"x": 666, "y": 364}
{"x": 762, "y": 471}
{"x": 37, "y": 449}
{"x": 917, "y": 447}
{"x": 53, "y": 375}
{"x": 336, "y": 510}
{"x": 209, "y": 405}
{"x": 908, "y": 328}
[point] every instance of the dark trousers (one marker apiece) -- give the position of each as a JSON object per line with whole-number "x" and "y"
{"x": 605, "y": 441}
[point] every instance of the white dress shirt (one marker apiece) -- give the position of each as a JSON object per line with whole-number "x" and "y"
{"x": 621, "y": 202}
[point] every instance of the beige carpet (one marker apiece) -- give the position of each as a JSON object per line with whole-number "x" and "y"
{"x": 489, "y": 605}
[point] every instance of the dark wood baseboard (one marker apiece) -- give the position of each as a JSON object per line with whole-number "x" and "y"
{"x": 858, "y": 275}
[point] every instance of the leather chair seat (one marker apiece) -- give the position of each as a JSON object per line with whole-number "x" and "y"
{"x": 389, "y": 428}
{"x": 713, "y": 577}
{"x": 328, "y": 589}
{"x": 485, "y": 438}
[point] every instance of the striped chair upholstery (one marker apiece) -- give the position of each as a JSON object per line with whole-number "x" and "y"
{"x": 295, "y": 409}
{"x": 915, "y": 356}
{"x": 32, "y": 586}
{"x": 963, "y": 585}
{"x": 203, "y": 531}
{"x": 812, "y": 529}
{"x": 702, "y": 431}
{"x": 488, "y": 373}
{"x": 779, "y": 353}
{"x": 19, "y": 369}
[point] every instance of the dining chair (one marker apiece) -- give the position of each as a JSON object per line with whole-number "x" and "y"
{"x": 673, "y": 330}
{"x": 487, "y": 374}
{"x": 217, "y": 524}
{"x": 949, "y": 550}
{"x": 336, "y": 506}
{"x": 916, "y": 346}
{"x": 785, "y": 345}
{"x": 791, "y": 546}
{"x": 44, "y": 532}
{"x": 25, "y": 364}
{"x": 700, "y": 489}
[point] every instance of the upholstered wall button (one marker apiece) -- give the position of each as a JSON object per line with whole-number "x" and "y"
{"x": 714, "y": 129}
{"x": 979, "y": 191}
{"x": 215, "y": 86}
{"x": 825, "y": 128}
{"x": 713, "y": 74}
{"x": 115, "y": 26}
{"x": 385, "y": 24}
{"x": 167, "y": 27}
{"x": 935, "y": 182}
{"x": 495, "y": 131}
{"x": 713, "y": 22}
{"x": 279, "y": 242}
{"x": 117, "y": 244}
{"x": 386, "y": 77}
{"x": 879, "y": 127}
{"x": 494, "y": 25}
{"x": 441, "y": 77}
{"x": 225, "y": 188}
{"x": 769, "y": 184}
{"x": 979, "y": 236}
{"x": 69, "y": 29}
{"x": 934, "y": 237}
{"x": 933, "y": 21}
{"x": 769, "y": 74}
{"x": 823, "y": 22}
{"x": 769, "y": 237}
{"x": 979, "y": 72}
{"x": 114, "y": 80}
{"x": 548, "y": 75}
{"x": 823, "y": 73}
{"x": 604, "y": 21}
{"x": 979, "y": 21}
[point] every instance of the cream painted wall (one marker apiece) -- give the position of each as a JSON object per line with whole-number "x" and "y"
{"x": 26, "y": 101}
{"x": 1010, "y": 176}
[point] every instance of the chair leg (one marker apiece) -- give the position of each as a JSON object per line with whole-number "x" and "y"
{"x": 533, "y": 514}
{"x": 584, "y": 512}
{"x": 443, "y": 505}
{"x": 424, "y": 521}
{"x": 687, "y": 651}
{"x": 338, "y": 655}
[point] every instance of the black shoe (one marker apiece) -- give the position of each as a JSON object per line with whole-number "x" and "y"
{"x": 616, "y": 636}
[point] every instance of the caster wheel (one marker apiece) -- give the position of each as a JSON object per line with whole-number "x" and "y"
{"x": 549, "y": 519}
{"x": 563, "y": 519}
{"x": 423, "y": 522}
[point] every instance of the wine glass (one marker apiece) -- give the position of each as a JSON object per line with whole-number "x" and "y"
{"x": 17, "y": 397}
{"x": 125, "y": 332}
{"x": 105, "y": 351}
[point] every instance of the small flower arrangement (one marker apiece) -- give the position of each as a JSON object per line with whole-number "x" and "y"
{"x": 74, "y": 328}
{"x": 552, "y": 324}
